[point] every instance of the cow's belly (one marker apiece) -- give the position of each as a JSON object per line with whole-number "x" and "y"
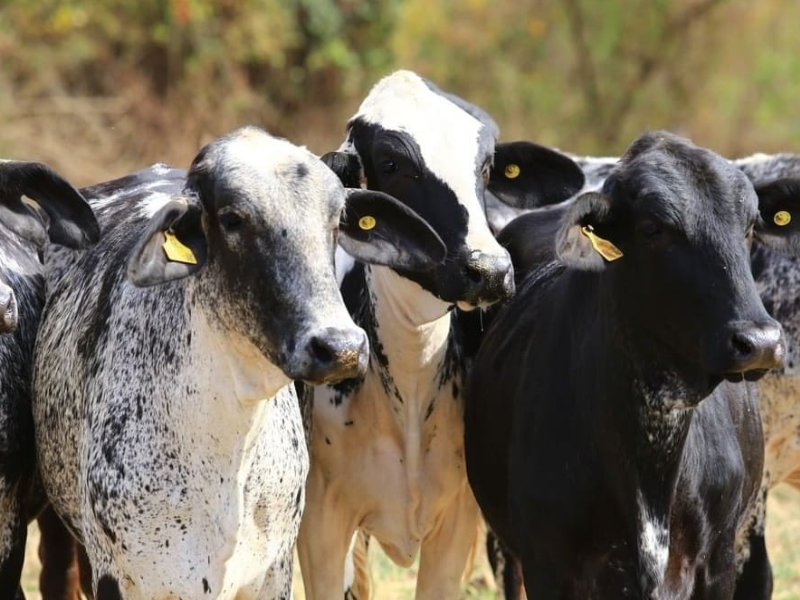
{"x": 394, "y": 489}
{"x": 779, "y": 397}
{"x": 195, "y": 523}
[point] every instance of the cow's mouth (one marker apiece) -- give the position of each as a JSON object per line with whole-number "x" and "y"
{"x": 753, "y": 375}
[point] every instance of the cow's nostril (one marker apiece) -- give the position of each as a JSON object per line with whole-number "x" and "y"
{"x": 474, "y": 274}
{"x": 321, "y": 351}
{"x": 743, "y": 345}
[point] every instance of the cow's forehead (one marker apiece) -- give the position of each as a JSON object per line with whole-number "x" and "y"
{"x": 254, "y": 162}
{"x": 692, "y": 178}
{"x": 449, "y": 138}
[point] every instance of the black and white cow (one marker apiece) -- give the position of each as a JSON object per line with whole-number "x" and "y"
{"x": 387, "y": 449}
{"x": 776, "y": 269}
{"x": 169, "y": 435}
{"x": 606, "y": 440}
{"x": 65, "y": 218}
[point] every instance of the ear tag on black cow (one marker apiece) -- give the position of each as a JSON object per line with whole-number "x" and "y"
{"x": 512, "y": 171}
{"x": 782, "y": 218}
{"x": 176, "y": 251}
{"x": 367, "y": 222}
{"x": 603, "y": 247}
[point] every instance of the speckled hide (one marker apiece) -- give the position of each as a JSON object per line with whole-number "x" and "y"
{"x": 169, "y": 434}
{"x": 20, "y": 268}
{"x": 23, "y": 238}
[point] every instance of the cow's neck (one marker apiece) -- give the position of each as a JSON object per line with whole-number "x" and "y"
{"x": 651, "y": 396}
{"x": 232, "y": 365}
{"x": 411, "y": 337}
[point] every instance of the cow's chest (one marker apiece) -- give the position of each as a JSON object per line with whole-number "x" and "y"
{"x": 396, "y": 465}
{"x": 218, "y": 514}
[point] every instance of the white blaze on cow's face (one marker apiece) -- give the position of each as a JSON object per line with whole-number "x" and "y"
{"x": 419, "y": 146}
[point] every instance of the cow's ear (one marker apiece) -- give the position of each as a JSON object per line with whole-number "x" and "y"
{"x": 526, "y": 175}
{"x": 347, "y": 166}
{"x": 69, "y": 219}
{"x": 378, "y": 229}
{"x": 583, "y": 240}
{"x": 173, "y": 246}
{"x": 779, "y": 207}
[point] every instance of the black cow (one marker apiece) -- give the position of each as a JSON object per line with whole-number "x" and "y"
{"x": 776, "y": 269}
{"x": 65, "y": 218}
{"x": 587, "y": 445}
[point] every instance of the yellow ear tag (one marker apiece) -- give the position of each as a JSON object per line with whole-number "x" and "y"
{"x": 512, "y": 171}
{"x": 367, "y": 222}
{"x": 603, "y": 247}
{"x": 176, "y": 251}
{"x": 782, "y": 218}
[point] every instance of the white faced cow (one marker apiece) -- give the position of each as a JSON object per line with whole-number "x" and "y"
{"x": 387, "y": 449}
{"x": 169, "y": 434}
{"x": 67, "y": 218}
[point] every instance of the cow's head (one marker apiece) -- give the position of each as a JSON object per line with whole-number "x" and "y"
{"x": 36, "y": 202}
{"x": 258, "y": 222}
{"x": 437, "y": 154}
{"x": 670, "y": 232}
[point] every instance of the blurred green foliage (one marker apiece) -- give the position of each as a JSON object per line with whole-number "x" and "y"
{"x": 147, "y": 80}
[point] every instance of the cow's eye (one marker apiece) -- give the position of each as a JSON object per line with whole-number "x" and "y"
{"x": 388, "y": 166}
{"x": 230, "y": 220}
{"x": 650, "y": 229}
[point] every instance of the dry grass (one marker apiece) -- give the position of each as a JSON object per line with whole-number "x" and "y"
{"x": 393, "y": 583}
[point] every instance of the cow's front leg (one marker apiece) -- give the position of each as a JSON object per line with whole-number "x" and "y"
{"x": 278, "y": 581}
{"x": 447, "y": 550}
{"x": 325, "y": 534}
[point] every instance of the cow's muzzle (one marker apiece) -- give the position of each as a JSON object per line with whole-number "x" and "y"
{"x": 9, "y": 315}
{"x": 330, "y": 354}
{"x": 752, "y": 349}
{"x": 489, "y": 278}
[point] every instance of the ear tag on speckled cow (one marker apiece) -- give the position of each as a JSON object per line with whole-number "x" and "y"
{"x": 512, "y": 171}
{"x": 367, "y": 222}
{"x": 603, "y": 247}
{"x": 176, "y": 251}
{"x": 782, "y": 218}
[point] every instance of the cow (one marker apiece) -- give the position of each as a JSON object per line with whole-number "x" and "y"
{"x": 610, "y": 439}
{"x": 775, "y": 265}
{"x": 168, "y": 430}
{"x": 62, "y": 217}
{"x": 387, "y": 448}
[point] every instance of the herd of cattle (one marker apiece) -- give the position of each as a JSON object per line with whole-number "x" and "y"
{"x": 201, "y": 369}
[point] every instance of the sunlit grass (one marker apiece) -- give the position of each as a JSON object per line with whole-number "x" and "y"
{"x": 393, "y": 583}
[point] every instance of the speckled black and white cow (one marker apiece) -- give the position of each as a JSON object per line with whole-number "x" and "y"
{"x": 775, "y": 264}
{"x": 387, "y": 449}
{"x": 23, "y": 235}
{"x": 169, "y": 434}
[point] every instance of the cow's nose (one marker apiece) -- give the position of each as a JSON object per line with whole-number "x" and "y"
{"x": 756, "y": 347}
{"x": 8, "y": 310}
{"x": 490, "y": 277}
{"x": 333, "y": 354}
